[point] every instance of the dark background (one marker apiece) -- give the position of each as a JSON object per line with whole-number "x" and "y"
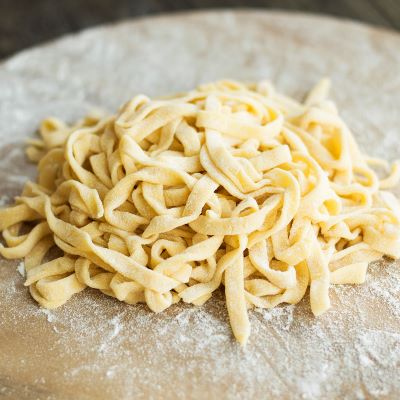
{"x": 25, "y": 23}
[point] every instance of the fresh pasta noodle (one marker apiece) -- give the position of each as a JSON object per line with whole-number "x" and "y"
{"x": 231, "y": 185}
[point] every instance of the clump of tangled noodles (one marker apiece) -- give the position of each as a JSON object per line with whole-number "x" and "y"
{"x": 231, "y": 185}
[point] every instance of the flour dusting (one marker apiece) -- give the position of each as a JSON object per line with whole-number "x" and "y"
{"x": 21, "y": 268}
{"x": 116, "y": 329}
{"x": 301, "y": 354}
{"x": 49, "y": 315}
{"x": 103, "y": 349}
{"x": 4, "y": 200}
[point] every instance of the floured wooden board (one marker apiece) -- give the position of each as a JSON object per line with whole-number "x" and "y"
{"x": 97, "y": 348}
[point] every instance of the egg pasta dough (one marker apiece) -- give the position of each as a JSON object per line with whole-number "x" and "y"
{"x": 230, "y": 185}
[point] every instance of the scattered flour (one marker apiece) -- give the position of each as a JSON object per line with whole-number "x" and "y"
{"x": 328, "y": 357}
{"x": 284, "y": 313}
{"x": 4, "y": 200}
{"x": 18, "y": 179}
{"x": 389, "y": 293}
{"x": 21, "y": 268}
{"x": 40, "y": 380}
{"x": 49, "y": 315}
{"x": 351, "y": 352}
{"x": 116, "y": 329}
{"x": 111, "y": 372}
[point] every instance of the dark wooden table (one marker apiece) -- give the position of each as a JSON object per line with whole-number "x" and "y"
{"x": 24, "y": 23}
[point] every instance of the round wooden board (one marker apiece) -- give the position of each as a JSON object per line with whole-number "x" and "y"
{"x": 97, "y": 348}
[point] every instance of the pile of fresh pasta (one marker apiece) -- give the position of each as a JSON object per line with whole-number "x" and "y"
{"x": 230, "y": 185}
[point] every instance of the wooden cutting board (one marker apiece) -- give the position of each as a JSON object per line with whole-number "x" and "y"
{"x": 97, "y": 348}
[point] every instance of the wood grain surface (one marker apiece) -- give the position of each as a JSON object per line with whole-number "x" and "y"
{"x": 95, "y": 347}
{"x": 25, "y": 23}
